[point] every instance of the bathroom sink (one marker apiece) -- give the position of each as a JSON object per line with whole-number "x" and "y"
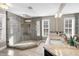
{"x": 56, "y": 42}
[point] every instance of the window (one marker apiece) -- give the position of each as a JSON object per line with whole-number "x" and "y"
{"x": 69, "y": 26}
{"x": 45, "y": 28}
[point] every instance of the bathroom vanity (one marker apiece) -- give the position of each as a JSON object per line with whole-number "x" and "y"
{"x": 61, "y": 50}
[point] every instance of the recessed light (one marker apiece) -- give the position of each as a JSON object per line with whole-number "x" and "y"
{"x": 30, "y": 7}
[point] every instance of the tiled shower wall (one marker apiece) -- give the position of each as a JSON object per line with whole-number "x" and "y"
{"x": 14, "y": 27}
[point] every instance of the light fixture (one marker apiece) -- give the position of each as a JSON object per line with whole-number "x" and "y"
{"x": 58, "y": 15}
{"x": 5, "y": 5}
{"x": 27, "y": 20}
{"x": 59, "y": 11}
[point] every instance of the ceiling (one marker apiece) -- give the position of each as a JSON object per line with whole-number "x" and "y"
{"x": 42, "y": 9}
{"x": 38, "y": 9}
{"x": 71, "y": 8}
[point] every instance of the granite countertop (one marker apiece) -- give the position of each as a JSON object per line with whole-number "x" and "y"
{"x": 62, "y": 50}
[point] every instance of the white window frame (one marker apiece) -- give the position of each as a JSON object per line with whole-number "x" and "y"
{"x": 73, "y": 26}
{"x": 38, "y": 28}
{"x": 45, "y": 28}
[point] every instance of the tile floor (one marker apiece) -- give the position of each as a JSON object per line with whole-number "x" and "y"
{"x": 37, "y": 51}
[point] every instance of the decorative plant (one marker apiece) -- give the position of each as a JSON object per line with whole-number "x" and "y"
{"x": 70, "y": 41}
